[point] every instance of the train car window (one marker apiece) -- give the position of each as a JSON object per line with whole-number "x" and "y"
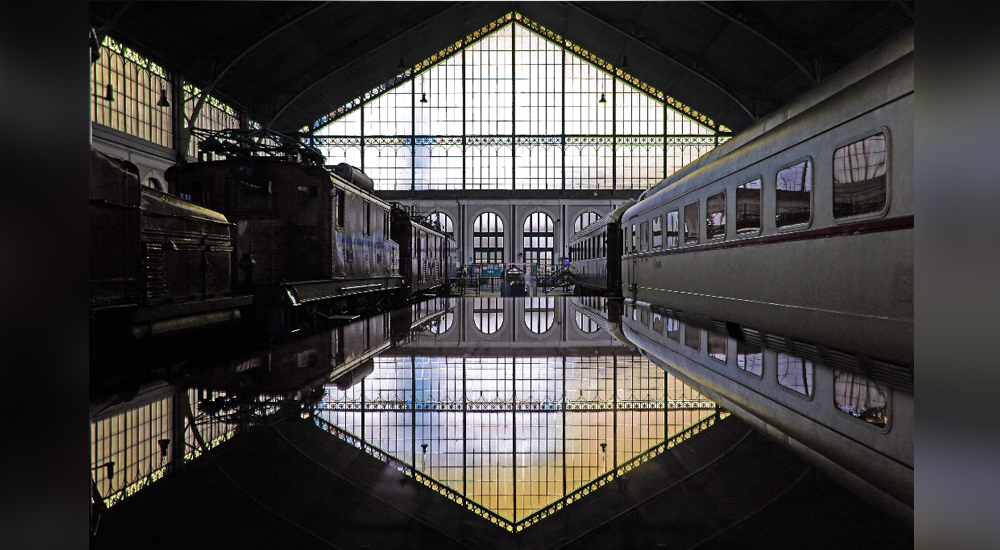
{"x": 341, "y": 207}
{"x": 859, "y": 183}
{"x": 368, "y": 218}
{"x": 717, "y": 346}
{"x": 635, "y": 239}
{"x": 658, "y": 323}
{"x": 749, "y": 358}
{"x": 644, "y": 317}
{"x": 657, "y": 231}
{"x": 691, "y": 223}
{"x": 673, "y": 238}
{"x": 673, "y": 329}
{"x": 748, "y": 207}
{"x": 861, "y": 397}
{"x": 793, "y": 188}
{"x": 644, "y": 236}
{"x": 795, "y": 373}
{"x": 692, "y": 337}
{"x": 715, "y": 207}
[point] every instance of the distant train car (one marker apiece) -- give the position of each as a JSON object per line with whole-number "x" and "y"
{"x": 802, "y": 224}
{"x": 589, "y": 250}
{"x": 309, "y": 244}
{"x": 426, "y": 254}
{"x": 158, "y": 265}
{"x": 851, "y": 419}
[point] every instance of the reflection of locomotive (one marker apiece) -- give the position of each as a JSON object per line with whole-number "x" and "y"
{"x": 802, "y": 224}
{"x": 158, "y": 265}
{"x": 850, "y": 419}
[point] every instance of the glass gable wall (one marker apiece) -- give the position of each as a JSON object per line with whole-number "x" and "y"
{"x": 515, "y": 106}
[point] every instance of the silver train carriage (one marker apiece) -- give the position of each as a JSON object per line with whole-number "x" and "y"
{"x": 589, "y": 250}
{"x": 849, "y": 422}
{"x": 310, "y": 243}
{"x": 802, "y": 224}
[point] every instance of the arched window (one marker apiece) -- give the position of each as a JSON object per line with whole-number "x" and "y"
{"x": 153, "y": 183}
{"x": 585, "y": 219}
{"x": 538, "y": 239}
{"x": 487, "y": 239}
{"x": 487, "y": 313}
{"x": 443, "y": 221}
{"x": 585, "y": 323}
{"x": 539, "y": 312}
{"x": 442, "y": 324}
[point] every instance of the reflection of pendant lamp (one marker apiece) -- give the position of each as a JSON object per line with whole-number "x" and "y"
{"x": 402, "y": 66}
{"x": 109, "y": 93}
{"x": 423, "y": 98}
{"x": 624, "y": 61}
{"x": 602, "y": 100}
{"x": 163, "y": 99}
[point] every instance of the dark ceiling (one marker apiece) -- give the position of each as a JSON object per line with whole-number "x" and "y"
{"x": 290, "y": 63}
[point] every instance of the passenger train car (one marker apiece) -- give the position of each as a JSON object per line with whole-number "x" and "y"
{"x": 802, "y": 225}
{"x": 589, "y": 250}
{"x": 851, "y": 421}
{"x": 427, "y": 255}
{"x": 158, "y": 265}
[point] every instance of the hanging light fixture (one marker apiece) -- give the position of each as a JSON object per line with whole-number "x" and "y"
{"x": 602, "y": 100}
{"x": 423, "y": 98}
{"x": 402, "y": 65}
{"x": 624, "y": 61}
{"x": 163, "y": 99}
{"x": 109, "y": 93}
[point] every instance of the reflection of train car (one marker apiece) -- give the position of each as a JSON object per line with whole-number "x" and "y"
{"x": 426, "y": 254}
{"x": 310, "y": 361}
{"x": 158, "y": 265}
{"x": 803, "y": 223}
{"x": 852, "y": 421}
{"x": 309, "y": 243}
{"x": 589, "y": 250}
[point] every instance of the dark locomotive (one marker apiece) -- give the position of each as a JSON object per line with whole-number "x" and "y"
{"x": 310, "y": 244}
{"x": 158, "y": 265}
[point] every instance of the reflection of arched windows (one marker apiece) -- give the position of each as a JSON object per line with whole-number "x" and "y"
{"x": 585, "y": 323}
{"x": 487, "y": 313}
{"x": 585, "y": 219}
{"x": 153, "y": 183}
{"x": 442, "y": 323}
{"x": 538, "y": 239}
{"x": 539, "y": 312}
{"x": 487, "y": 239}
{"x": 443, "y": 221}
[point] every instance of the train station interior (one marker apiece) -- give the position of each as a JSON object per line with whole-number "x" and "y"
{"x": 341, "y": 296}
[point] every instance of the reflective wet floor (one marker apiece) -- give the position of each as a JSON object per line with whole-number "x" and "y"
{"x": 512, "y": 412}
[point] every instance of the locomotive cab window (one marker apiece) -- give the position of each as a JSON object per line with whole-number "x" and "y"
{"x": 657, "y": 231}
{"x": 715, "y": 221}
{"x": 793, "y": 194}
{"x": 748, "y": 207}
{"x": 859, "y": 179}
{"x": 673, "y": 237}
{"x": 691, "y": 223}
{"x": 644, "y": 236}
{"x": 635, "y": 239}
{"x": 341, "y": 207}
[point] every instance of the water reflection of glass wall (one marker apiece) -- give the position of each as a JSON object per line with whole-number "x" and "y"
{"x": 516, "y": 434}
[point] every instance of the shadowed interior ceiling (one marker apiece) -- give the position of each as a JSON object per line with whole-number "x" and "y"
{"x": 290, "y": 63}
